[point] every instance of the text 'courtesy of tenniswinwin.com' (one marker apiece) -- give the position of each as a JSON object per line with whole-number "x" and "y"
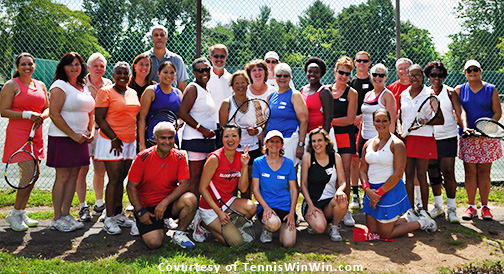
{"x": 292, "y": 267}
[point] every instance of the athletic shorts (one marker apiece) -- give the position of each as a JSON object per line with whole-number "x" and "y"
{"x": 156, "y": 224}
{"x": 103, "y": 146}
{"x": 209, "y": 215}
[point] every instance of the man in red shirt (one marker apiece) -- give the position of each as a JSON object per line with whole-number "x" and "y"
{"x": 158, "y": 185}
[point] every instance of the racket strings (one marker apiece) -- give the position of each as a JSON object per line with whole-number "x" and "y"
{"x": 21, "y": 169}
{"x": 428, "y": 111}
{"x": 490, "y": 128}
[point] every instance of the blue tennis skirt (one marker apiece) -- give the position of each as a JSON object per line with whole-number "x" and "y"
{"x": 392, "y": 204}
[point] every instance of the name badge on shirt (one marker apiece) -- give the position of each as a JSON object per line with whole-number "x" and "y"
{"x": 342, "y": 99}
{"x": 280, "y": 177}
{"x": 329, "y": 171}
{"x": 365, "y": 86}
{"x": 265, "y": 175}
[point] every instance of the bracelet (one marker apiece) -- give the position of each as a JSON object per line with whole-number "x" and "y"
{"x": 381, "y": 191}
{"x": 139, "y": 213}
{"x": 114, "y": 139}
{"x": 198, "y": 126}
{"x": 27, "y": 114}
{"x": 365, "y": 185}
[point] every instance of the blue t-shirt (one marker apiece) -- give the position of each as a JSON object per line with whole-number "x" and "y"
{"x": 274, "y": 185}
{"x": 476, "y": 105}
{"x": 283, "y": 116}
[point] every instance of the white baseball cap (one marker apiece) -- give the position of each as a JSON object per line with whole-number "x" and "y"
{"x": 472, "y": 63}
{"x": 273, "y": 133}
{"x": 271, "y": 54}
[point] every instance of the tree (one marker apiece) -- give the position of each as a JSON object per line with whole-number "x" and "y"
{"x": 417, "y": 45}
{"x": 318, "y": 15}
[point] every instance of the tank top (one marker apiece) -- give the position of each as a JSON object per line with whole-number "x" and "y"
{"x": 165, "y": 101}
{"x": 315, "y": 112}
{"x": 249, "y": 115}
{"x": 203, "y": 111}
{"x": 263, "y": 96}
{"x": 476, "y": 105}
{"x": 341, "y": 110}
{"x": 225, "y": 178}
{"x": 322, "y": 179}
{"x": 381, "y": 162}
{"x": 449, "y": 128}
{"x": 368, "y": 108}
{"x": 283, "y": 116}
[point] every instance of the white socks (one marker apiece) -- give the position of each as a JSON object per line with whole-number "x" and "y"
{"x": 438, "y": 201}
{"x": 450, "y": 202}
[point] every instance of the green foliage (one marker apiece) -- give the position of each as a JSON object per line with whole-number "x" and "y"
{"x": 417, "y": 44}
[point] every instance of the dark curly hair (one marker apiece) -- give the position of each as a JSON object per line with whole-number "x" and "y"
{"x": 321, "y": 63}
{"x": 68, "y": 59}
{"x": 433, "y": 65}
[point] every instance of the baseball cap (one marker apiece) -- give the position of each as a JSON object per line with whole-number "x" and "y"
{"x": 273, "y": 133}
{"x": 271, "y": 54}
{"x": 158, "y": 27}
{"x": 472, "y": 63}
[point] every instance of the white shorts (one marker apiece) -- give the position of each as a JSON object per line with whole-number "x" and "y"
{"x": 92, "y": 145}
{"x": 196, "y": 156}
{"x": 290, "y": 146}
{"x": 103, "y": 146}
{"x": 209, "y": 215}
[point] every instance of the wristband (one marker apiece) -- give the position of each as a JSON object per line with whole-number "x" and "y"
{"x": 365, "y": 185}
{"x": 381, "y": 191}
{"x": 139, "y": 213}
{"x": 27, "y": 114}
{"x": 114, "y": 139}
{"x": 198, "y": 126}
{"x": 260, "y": 130}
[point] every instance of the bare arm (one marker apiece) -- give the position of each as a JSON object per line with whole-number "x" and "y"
{"x": 146, "y": 100}
{"x": 224, "y": 112}
{"x": 496, "y": 106}
{"x": 458, "y": 109}
{"x": 302, "y": 115}
{"x": 181, "y": 86}
{"x": 364, "y": 166}
{"x": 390, "y": 104}
{"x": 351, "y": 111}
{"x": 327, "y": 108}
{"x": 134, "y": 199}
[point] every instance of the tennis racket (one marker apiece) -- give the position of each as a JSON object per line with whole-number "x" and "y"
{"x": 252, "y": 113}
{"x": 21, "y": 169}
{"x": 426, "y": 113}
{"x": 239, "y": 232}
{"x": 489, "y": 128}
{"x": 160, "y": 116}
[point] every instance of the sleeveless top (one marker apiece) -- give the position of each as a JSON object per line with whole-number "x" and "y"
{"x": 368, "y": 108}
{"x": 449, "y": 128}
{"x": 315, "y": 113}
{"x": 140, "y": 89}
{"x": 263, "y": 96}
{"x": 249, "y": 115}
{"x": 381, "y": 163}
{"x": 163, "y": 101}
{"x": 476, "y": 105}
{"x": 225, "y": 178}
{"x": 283, "y": 116}
{"x": 203, "y": 111}
{"x": 322, "y": 179}
{"x": 341, "y": 110}
{"x": 18, "y": 130}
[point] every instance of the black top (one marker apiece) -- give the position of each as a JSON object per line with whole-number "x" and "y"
{"x": 362, "y": 86}
{"x": 140, "y": 89}
{"x": 319, "y": 176}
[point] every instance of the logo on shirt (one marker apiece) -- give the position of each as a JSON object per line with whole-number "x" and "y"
{"x": 329, "y": 171}
{"x": 230, "y": 175}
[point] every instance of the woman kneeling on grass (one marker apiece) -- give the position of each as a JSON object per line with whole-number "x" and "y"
{"x": 323, "y": 185}
{"x": 382, "y": 166}
{"x": 226, "y": 168}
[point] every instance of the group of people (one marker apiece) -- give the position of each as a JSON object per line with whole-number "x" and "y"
{"x": 335, "y": 134}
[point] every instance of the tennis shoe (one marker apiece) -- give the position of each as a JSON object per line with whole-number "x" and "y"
{"x": 452, "y": 216}
{"x": 266, "y": 236}
{"x": 486, "y": 214}
{"x": 99, "y": 209}
{"x": 430, "y": 225}
{"x": 247, "y": 238}
{"x": 199, "y": 234}
{"x": 72, "y": 222}
{"x": 84, "y": 215}
{"x": 27, "y": 220}
{"x": 348, "y": 220}
{"x": 110, "y": 226}
{"x": 334, "y": 233}
{"x": 15, "y": 220}
{"x": 180, "y": 238}
{"x": 103, "y": 216}
{"x": 355, "y": 204}
{"x": 436, "y": 212}
{"x": 469, "y": 214}
{"x": 60, "y": 225}
{"x": 411, "y": 215}
{"x": 134, "y": 230}
{"x": 122, "y": 220}
{"x": 130, "y": 208}
{"x": 169, "y": 223}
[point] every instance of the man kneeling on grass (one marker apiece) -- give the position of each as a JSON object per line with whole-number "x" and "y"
{"x": 157, "y": 188}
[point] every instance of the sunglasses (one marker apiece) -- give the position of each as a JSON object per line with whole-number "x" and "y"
{"x": 340, "y": 72}
{"x": 272, "y": 61}
{"x": 282, "y": 76}
{"x": 201, "y": 70}
{"x": 436, "y": 75}
{"x": 222, "y": 56}
{"x": 381, "y": 75}
{"x": 361, "y": 60}
{"x": 469, "y": 70}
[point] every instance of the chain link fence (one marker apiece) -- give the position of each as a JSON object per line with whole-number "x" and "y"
{"x": 451, "y": 31}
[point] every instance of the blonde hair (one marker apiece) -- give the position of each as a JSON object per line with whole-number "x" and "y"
{"x": 344, "y": 61}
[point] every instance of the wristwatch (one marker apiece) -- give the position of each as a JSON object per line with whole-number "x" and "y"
{"x": 301, "y": 144}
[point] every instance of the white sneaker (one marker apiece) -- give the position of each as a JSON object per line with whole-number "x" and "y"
{"x": 452, "y": 216}
{"x": 111, "y": 227}
{"x": 334, "y": 233}
{"x": 72, "y": 222}
{"x": 180, "y": 238}
{"x": 170, "y": 223}
{"x": 266, "y": 236}
{"x": 134, "y": 230}
{"x": 430, "y": 224}
{"x": 103, "y": 216}
{"x": 61, "y": 225}
{"x": 348, "y": 220}
{"x": 355, "y": 204}
{"x": 411, "y": 215}
{"x": 27, "y": 220}
{"x": 122, "y": 220}
{"x": 200, "y": 233}
{"x": 15, "y": 220}
{"x": 130, "y": 208}
{"x": 436, "y": 212}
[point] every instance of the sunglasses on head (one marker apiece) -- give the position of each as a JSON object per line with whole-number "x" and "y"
{"x": 201, "y": 70}
{"x": 282, "y": 76}
{"x": 469, "y": 70}
{"x": 340, "y": 72}
{"x": 272, "y": 61}
{"x": 381, "y": 75}
{"x": 361, "y": 60}
{"x": 436, "y": 75}
{"x": 222, "y": 56}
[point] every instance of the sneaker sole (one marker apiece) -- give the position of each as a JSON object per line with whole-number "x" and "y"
{"x": 111, "y": 233}
{"x": 18, "y": 230}
{"x": 487, "y": 218}
{"x": 467, "y": 218}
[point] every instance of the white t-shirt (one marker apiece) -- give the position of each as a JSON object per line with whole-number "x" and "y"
{"x": 219, "y": 87}
{"x": 76, "y": 108}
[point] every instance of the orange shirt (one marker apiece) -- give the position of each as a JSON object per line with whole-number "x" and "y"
{"x": 122, "y": 112}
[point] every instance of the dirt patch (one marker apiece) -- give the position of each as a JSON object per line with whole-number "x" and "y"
{"x": 417, "y": 252}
